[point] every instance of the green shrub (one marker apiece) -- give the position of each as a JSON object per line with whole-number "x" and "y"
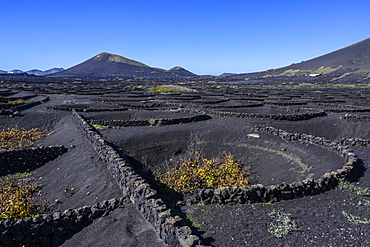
{"x": 284, "y": 225}
{"x": 99, "y": 127}
{"x": 346, "y": 185}
{"x": 202, "y": 173}
{"x": 355, "y": 219}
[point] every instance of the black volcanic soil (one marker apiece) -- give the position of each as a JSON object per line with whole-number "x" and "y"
{"x": 156, "y": 147}
{"x": 269, "y": 160}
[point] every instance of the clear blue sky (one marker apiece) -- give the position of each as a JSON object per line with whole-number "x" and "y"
{"x": 205, "y": 37}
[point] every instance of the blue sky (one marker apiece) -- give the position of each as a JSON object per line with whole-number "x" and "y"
{"x": 205, "y": 37}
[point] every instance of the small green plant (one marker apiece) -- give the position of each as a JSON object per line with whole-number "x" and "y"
{"x": 69, "y": 190}
{"x": 159, "y": 123}
{"x": 152, "y": 121}
{"x": 364, "y": 203}
{"x": 283, "y": 226}
{"x": 202, "y": 173}
{"x": 355, "y": 219}
{"x": 99, "y": 127}
{"x": 346, "y": 185}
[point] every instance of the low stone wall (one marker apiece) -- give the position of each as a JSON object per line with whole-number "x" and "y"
{"x": 355, "y": 116}
{"x": 284, "y": 191}
{"x": 10, "y": 98}
{"x": 356, "y": 142}
{"x": 289, "y": 117}
{"x": 150, "y": 106}
{"x": 61, "y": 108}
{"x": 10, "y": 108}
{"x": 142, "y": 195}
{"x": 286, "y": 103}
{"x": 344, "y": 108}
{"x": 30, "y": 105}
{"x": 53, "y": 229}
{"x": 243, "y": 105}
{"x": 153, "y": 122}
{"x": 21, "y": 160}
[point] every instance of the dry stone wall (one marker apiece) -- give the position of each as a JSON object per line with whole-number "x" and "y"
{"x": 53, "y": 229}
{"x": 168, "y": 225}
{"x": 165, "y": 121}
{"x": 289, "y": 117}
{"x": 284, "y": 191}
{"x": 8, "y": 109}
{"x": 355, "y": 116}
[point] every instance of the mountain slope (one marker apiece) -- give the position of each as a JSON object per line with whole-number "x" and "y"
{"x": 356, "y": 56}
{"x": 111, "y": 65}
{"x": 179, "y": 71}
{"x": 347, "y": 61}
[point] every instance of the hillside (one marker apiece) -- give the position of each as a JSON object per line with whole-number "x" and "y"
{"x": 111, "y": 65}
{"x": 351, "y": 62}
{"x": 356, "y": 56}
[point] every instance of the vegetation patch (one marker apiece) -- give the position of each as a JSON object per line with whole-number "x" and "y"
{"x": 168, "y": 89}
{"x": 16, "y": 138}
{"x": 355, "y": 219}
{"x": 283, "y": 224}
{"x": 346, "y": 185}
{"x": 17, "y": 101}
{"x": 154, "y": 122}
{"x": 99, "y": 127}
{"x": 202, "y": 173}
{"x": 164, "y": 90}
{"x": 16, "y": 197}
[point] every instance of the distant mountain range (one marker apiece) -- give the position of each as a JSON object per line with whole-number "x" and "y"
{"x": 352, "y": 59}
{"x": 111, "y": 65}
{"x": 227, "y": 74}
{"x": 33, "y": 71}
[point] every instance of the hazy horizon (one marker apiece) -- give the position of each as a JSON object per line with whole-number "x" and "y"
{"x": 205, "y": 37}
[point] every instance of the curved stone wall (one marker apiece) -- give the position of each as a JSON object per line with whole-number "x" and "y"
{"x": 53, "y": 229}
{"x": 164, "y": 121}
{"x": 284, "y": 191}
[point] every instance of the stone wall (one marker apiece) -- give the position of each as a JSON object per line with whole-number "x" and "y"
{"x": 356, "y": 142}
{"x": 167, "y": 224}
{"x": 9, "y": 109}
{"x": 284, "y": 191}
{"x": 21, "y": 160}
{"x": 158, "y": 122}
{"x": 355, "y": 116}
{"x": 53, "y": 229}
{"x": 289, "y": 117}
{"x": 63, "y": 108}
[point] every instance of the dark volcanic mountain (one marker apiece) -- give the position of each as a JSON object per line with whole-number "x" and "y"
{"x": 356, "y": 56}
{"x": 110, "y": 65}
{"x": 179, "y": 71}
{"x": 348, "y": 61}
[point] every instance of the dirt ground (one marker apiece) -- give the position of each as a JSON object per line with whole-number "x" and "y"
{"x": 320, "y": 219}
